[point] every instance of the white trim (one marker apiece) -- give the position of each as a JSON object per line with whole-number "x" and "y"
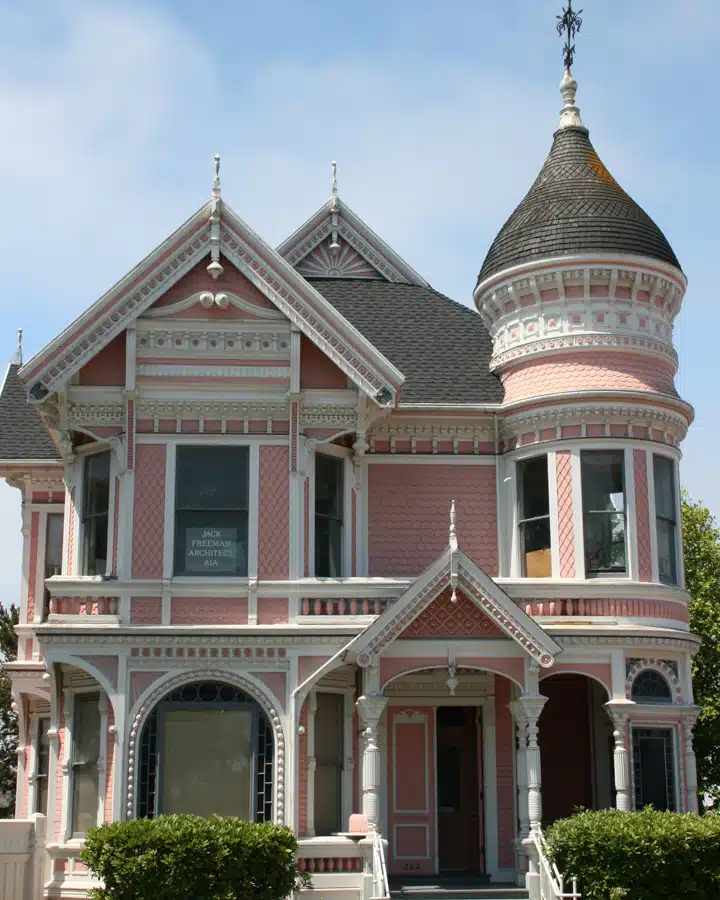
{"x": 577, "y": 509}
{"x": 310, "y": 764}
{"x": 184, "y": 370}
{"x": 65, "y": 813}
{"x": 432, "y": 459}
{"x": 553, "y": 498}
{"x": 652, "y": 514}
{"x": 515, "y": 555}
{"x": 678, "y": 772}
{"x": 631, "y": 548}
{"x": 127, "y": 522}
{"x": 347, "y": 532}
{"x": 216, "y": 440}
{"x": 161, "y": 312}
{"x": 679, "y": 529}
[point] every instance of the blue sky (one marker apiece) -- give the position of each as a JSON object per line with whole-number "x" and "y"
{"x": 439, "y": 113}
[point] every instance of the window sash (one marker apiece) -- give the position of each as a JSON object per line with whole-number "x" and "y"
{"x": 95, "y": 513}
{"x": 85, "y": 788}
{"x": 665, "y": 518}
{"x": 42, "y": 765}
{"x": 605, "y": 554}
{"x": 329, "y": 519}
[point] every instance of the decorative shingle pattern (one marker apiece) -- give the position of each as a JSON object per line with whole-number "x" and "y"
{"x": 149, "y": 511}
{"x": 566, "y": 526}
{"x": 441, "y": 347}
{"x": 575, "y": 206}
{"x": 642, "y": 516}
{"x": 215, "y": 611}
{"x": 445, "y": 619}
{"x": 274, "y": 521}
{"x": 146, "y": 611}
{"x": 22, "y": 432}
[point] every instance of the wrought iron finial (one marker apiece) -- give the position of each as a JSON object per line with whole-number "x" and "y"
{"x": 568, "y": 25}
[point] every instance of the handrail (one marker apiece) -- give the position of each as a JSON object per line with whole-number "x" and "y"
{"x": 381, "y": 887}
{"x": 552, "y": 883}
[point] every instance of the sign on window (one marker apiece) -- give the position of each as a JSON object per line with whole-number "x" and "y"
{"x": 213, "y": 550}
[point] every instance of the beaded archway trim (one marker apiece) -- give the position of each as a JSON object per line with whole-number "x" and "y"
{"x": 254, "y": 690}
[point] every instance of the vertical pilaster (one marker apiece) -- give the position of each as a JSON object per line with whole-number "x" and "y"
{"x": 311, "y": 763}
{"x": 621, "y": 761}
{"x": 691, "y": 785}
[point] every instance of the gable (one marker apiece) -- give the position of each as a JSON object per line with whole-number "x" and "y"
{"x": 107, "y": 368}
{"x": 336, "y": 259}
{"x": 445, "y": 619}
{"x": 317, "y": 371}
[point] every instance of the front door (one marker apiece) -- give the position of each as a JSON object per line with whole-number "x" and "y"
{"x": 458, "y": 798}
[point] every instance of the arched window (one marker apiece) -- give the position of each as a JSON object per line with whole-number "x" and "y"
{"x": 207, "y": 747}
{"x": 651, "y": 687}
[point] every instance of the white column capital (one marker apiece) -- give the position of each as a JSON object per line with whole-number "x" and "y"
{"x": 370, "y": 708}
{"x": 530, "y": 706}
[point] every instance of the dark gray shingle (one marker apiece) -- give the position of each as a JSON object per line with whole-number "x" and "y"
{"x": 441, "y": 347}
{"x": 22, "y": 432}
{"x": 575, "y": 206}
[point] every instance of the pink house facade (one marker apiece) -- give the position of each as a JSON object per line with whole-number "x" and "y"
{"x": 304, "y": 538}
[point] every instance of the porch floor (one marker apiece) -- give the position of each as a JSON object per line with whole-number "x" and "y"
{"x": 453, "y": 887}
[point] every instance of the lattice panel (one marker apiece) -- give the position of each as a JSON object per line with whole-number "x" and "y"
{"x": 149, "y": 511}
{"x": 274, "y": 520}
{"x": 443, "y": 618}
{"x": 642, "y": 516}
{"x": 566, "y": 524}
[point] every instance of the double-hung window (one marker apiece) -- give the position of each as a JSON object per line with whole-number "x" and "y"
{"x": 665, "y": 518}
{"x": 328, "y": 515}
{"x": 42, "y": 765}
{"x": 53, "y": 551}
{"x": 211, "y": 511}
{"x": 85, "y": 756}
{"x": 603, "y": 497}
{"x": 95, "y": 513}
{"x": 534, "y": 517}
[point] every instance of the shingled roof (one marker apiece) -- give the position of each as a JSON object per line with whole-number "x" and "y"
{"x": 441, "y": 347}
{"x": 575, "y": 206}
{"x": 22, "y": 432}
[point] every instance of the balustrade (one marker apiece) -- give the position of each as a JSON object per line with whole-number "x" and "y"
{"x": 350, "y": 606}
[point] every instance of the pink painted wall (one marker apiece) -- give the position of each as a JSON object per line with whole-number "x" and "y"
{"x": 409, "y": 513}
{"x": 505, "y": 752}
{"x": 599, "y": 671}
{"x": 272, "y": 610}
{"x": 110, "y": 769}
{"x": 274, "y": 514}
{"x": 197, "y": 279}
{"x": 107, "y": 367}
{"x": 642, "y": 516}
{"x": 318, "y": 370}
{"x": 148, "y": 511}
{"x": 276, "y": 682}
{"x": 146, "y": 611}
{"x": 588, "y": 371}
{"x": 566, "y": 525}
{"x": 215, "y": 611}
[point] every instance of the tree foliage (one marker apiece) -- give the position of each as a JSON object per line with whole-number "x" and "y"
{"x": 701, "y": 538}
{"x": 8, "y": 719}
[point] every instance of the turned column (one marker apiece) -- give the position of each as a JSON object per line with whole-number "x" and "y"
{"x": 531, "y": 706}
{"x": 521, "y": 724}
{"x": 691, "y": 785}
{"x": 621, "y": 762}
{"x": 370, "y": 709}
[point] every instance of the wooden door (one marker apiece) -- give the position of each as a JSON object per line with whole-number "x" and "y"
{"x": 458, "y": 799}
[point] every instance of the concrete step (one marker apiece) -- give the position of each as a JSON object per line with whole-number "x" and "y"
{"x": 451, "y": 889}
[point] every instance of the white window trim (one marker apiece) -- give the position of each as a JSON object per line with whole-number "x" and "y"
{"x": 515, "y": 543}
{"x": 679, "y": 555}
{"x": 68, "y": 787}
{"x": 83, "y": 454}
{"x": 32, "y": 774}
{"x": 348, "y": 480}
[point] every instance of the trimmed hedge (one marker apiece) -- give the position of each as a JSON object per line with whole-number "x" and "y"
{"x": 174, "y": 857}
{"x": 645, "y": 855}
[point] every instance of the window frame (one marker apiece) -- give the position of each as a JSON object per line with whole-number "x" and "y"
{"x": 551, "y": 516}
{"x": 172, "y": 547}
{"x": 344, "y": 455}
{"x": 72, "y": 766}
{"x": 37, "y": 723}
{"x": 82, "y": 561}
{"x": 627, "y": 511}
{"x": 671, "y": 730}
{"x": 677, "y": 524}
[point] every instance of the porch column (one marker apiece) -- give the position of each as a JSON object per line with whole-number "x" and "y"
{"x": 311, "y": 763}
{"x": 521, "y": 724}
{"x": 370, "y": 709}
{"x": 531, "y": 706}
{"x": 621, "y": 763}
{"x": 688, "y": 722}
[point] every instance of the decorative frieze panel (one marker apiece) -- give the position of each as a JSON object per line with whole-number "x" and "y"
{"x": 339, "y": 261}
{"x": 431, "y": 437}
{"x": 213, "y": 341}
{"x": 107, "y": 414}
{"x": 326, "y": 415}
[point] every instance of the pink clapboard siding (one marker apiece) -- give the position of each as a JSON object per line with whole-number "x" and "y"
{"x": 409, "y": 515}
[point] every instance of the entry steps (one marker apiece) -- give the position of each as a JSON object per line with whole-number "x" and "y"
{"x": 453, "y": 888}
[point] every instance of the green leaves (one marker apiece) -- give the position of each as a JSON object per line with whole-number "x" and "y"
{"x": 645, "y": 855}
{"x": 187, "y": 856}
{"x": 701, "y": 540}
{"x": 8, "y": 719}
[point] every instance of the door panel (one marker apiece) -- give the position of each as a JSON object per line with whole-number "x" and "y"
{"x": 411, "y": 800}
{"x": 458, "y": 806}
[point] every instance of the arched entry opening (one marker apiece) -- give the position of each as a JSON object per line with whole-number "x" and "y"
{"x": 576, "y": 743}
{"x": 206, "y": 748}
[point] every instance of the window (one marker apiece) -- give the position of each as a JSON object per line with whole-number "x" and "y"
{"x": 95, "y": 513}
{"x": 53, "y": 551}
{"x": 653, "y": 768}
{"x": 211, "y": 511}
{"x": 534, "y": 517}
{"x": 42, "y": 765}
{"x": 603, "y": 494}
{"x": 328, "y": 515}
{"x": 329, "y": 760}
{"x": 85, "y": 754}
{"x": 650, "y": 687}
{"x": 665, "y": 518}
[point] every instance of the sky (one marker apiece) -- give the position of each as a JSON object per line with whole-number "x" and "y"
{"x": 439, "y": 113}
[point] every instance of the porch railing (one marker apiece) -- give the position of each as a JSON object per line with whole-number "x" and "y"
{"x": 22, "y": 858}
{"x": 544, "y": 880}
{"x": 381, "y": 888}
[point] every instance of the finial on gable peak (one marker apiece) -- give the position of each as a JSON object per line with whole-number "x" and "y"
{"x": 214, "y": 268}
{"x": 334, "y": 208}
{"x": 216, "y": 182}
{"x": 334, "y": 202}
{"x": 18, "y": 356}
{"x": 453, "y": 551}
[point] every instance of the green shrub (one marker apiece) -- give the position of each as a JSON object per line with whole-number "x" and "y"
{"x": 650, "y": 855}
{"x": 177, "y": 857}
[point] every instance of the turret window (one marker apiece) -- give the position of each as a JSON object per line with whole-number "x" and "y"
{"x": 534, "y": 517}
{"x": 665, "y": 518}
{"x": 603, "y": 496}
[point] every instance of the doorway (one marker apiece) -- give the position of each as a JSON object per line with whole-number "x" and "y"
{"x": 459, "y": 807}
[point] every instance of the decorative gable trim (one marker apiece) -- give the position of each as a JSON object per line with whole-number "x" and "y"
{"x": 354, "y": 232}
{"x": 478, "y": 587}
{"x": 208, "y": 299}
{"x": 308, "y": 310}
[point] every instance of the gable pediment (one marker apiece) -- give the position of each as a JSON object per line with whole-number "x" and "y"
{"x": 445, "y": 618}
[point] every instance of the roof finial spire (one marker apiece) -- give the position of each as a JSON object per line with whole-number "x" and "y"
{"x": 334, "y": 209}
{"x": 214, "y": 268}
{"x": 453, "y": 555}
{"x": 568, "y": 25}
{"x": 334, "y": 204}
{"x": 17, "y": 358}
{"x": 216, "y": 182}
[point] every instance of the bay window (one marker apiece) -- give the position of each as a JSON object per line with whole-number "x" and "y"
{"x": 329, "y": 472}
{"x": 85, "y": 756}
{"x": 211, "y": 511}
{"x": 665, "y": 518}
{"x": 534, "y": 517}
{"x": 603, "y": 501}
{"x": 95, "y": 514}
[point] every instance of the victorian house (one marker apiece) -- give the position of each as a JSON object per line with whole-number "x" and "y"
{"x": 306, "y": 541}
